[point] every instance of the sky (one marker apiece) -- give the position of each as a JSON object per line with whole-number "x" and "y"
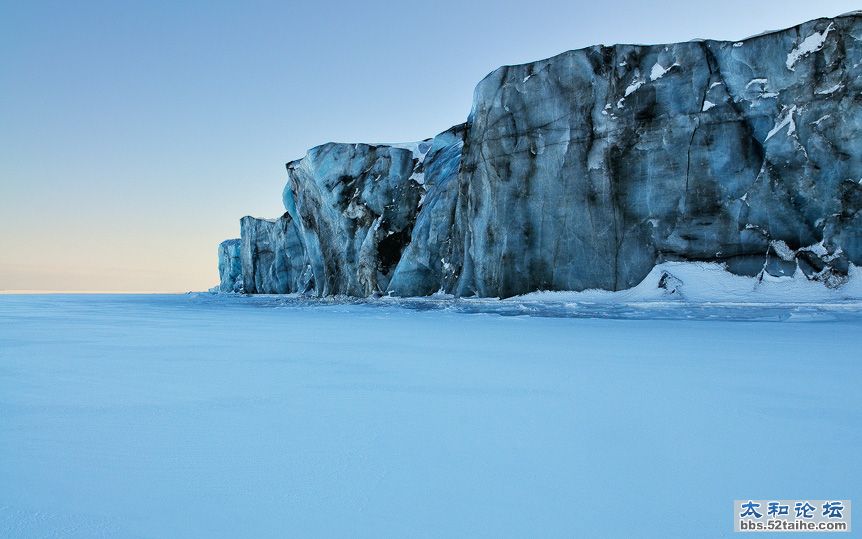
{"x": 135, "y": 135}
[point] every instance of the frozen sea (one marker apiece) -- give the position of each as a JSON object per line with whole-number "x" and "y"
{"x": 213, "y": 416}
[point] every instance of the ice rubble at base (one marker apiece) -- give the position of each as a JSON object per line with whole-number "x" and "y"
{"x": 707, "y": 282}
{"x": 671, "y": 289}
{"x": 741, "y": 154}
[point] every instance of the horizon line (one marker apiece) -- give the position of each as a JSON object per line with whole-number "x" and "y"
{"x": 127, "y": 292}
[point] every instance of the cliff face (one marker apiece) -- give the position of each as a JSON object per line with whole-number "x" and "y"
{"x": 586, "y": 169}
{"x": 354, "y": 206}
{"x": 273, "y": 257}
{"x": 230, "y": 266}
{"x": 602, "y": 161}
{"x": 433, "y": 257}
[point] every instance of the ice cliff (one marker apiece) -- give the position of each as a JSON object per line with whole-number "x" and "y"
{"x": 584, "y": 171}
{"x": 230, "y": 266}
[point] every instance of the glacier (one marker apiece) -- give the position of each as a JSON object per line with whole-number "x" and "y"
{"x": 585, "y": 171}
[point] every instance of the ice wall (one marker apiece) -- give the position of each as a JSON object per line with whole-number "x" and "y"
{"x": 587, "y": 169}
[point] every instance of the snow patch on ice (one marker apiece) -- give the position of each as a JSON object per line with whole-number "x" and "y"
{"x": 419, "y": 149}
{"x": 783, "y": 250}
{"x": 659, "y": 71}
{"x": 756, "y": 81}
{"x": 785, "y": 119}
{"x": 707, "y": 105}
{"x": 762, "y": 83}
{"x": 812, "y": 43}
{"x": 633, "y": 86}
{"x": 830, "y": 90}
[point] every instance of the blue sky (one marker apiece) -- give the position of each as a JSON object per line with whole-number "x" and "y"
{"x": 134, "y": 135}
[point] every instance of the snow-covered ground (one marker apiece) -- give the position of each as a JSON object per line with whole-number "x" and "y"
{"x": 543, "y": 416}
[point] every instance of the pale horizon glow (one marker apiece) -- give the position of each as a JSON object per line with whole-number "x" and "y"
{"x": 38, "y": 292}
{"x": 133, "y": 138}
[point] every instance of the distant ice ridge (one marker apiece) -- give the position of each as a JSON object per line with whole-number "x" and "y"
{"x": 587, "y": 170}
